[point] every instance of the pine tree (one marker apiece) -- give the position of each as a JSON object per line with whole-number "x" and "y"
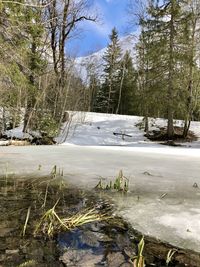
{"x": 112, "y": 59}
{"x": 127, "y": 95}
{"x": 37, "y": 65}
{"x": 165, "y": 54}
{"x": 192, "y": 17}
{"x": 13, "y": 64}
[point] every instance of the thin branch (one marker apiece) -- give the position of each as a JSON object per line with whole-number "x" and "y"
{"x": 71, "y": 24}
{"x": 26, "y": 4}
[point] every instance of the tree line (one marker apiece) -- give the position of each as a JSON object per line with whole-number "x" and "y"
{"x": 38, "y": 81}
{"x": 163, "y": 79}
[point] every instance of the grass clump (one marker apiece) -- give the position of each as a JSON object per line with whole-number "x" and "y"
{"x": 29, "y": 263}
{"x": 121, "y": 183}
{"x": 51, "y": 223}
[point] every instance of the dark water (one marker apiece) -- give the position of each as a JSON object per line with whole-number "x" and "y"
{"x": 110, "y": 242}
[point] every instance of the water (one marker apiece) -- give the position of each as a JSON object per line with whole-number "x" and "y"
{"x": 107, "y": 242}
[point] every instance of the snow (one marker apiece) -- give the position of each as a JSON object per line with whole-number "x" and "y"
{"x": 17, "y": 133}
{"x": 96, "y": 129}
{"x": 4, "y": 143}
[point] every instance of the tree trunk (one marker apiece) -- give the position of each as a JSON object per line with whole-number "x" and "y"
{"x": 109, "y": 95}
{"x": 170, "y": 126}
{"x": 146, "y": 123}
{"x": 120, "y": 89}
{"x": 65, "y": 101}
{"x": 189, "y": 106}
{"x": 189, "y": 111}
{"x": 30, "y": 97}
{"x": 3, "y": 119}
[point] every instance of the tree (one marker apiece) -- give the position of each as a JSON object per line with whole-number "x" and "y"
{"x": 112, "y": 58}
{"x": 32, "y": 37}
{"x": 165, "y": 28}
{"x": 146, "y": 69}
{"x": 37, "y": 64}
{"x": 192, "y": 83}
{"x": 93, "y": 85}
{"x": 13, "y": 63}
{"x": 127, "y": 95}
{"x": 63, "y": 17}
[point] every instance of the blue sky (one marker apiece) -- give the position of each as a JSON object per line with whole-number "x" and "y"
{"x": 113, "y": 13}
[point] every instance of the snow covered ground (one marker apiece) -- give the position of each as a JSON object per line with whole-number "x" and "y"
{"x": 96, "y": 129}
{"x": 100, "y": 129}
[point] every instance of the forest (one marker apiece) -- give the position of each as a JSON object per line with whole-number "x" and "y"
{"x": 39, "y": 81}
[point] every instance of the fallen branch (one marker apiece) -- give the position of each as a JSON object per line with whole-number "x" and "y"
{"x": 122, "y": 135}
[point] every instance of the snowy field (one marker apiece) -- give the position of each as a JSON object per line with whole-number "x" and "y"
{"x": 97, "y": 129}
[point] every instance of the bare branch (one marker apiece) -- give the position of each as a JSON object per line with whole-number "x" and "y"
{"x": 26, "y": 4}
{"x": 73, "y": 22}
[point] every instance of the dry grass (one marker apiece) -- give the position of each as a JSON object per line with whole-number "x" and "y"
{"x": 52, "y": 223}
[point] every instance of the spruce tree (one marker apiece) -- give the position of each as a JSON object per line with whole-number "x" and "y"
{"x": 127, "y": 95}
{"x": 165, "y": 54}
{"x": 191, "y": 71}
{"x": 112, "y": 58}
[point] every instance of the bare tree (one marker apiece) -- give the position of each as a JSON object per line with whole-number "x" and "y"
{"x": 64, "y": 17}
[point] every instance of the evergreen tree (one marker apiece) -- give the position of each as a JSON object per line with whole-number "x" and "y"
{"x": 127, "y": 94}
{"x": 110, "y": 87}
{"x": 191, "y": 71}
{"x": 37, "y": 65}
{"x": 165, "y": 54}
{"x": 13, "y": 63}
{"x": 93, "y": 87}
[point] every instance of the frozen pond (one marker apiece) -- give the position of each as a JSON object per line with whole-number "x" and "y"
{"x": 164, "y": 182}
